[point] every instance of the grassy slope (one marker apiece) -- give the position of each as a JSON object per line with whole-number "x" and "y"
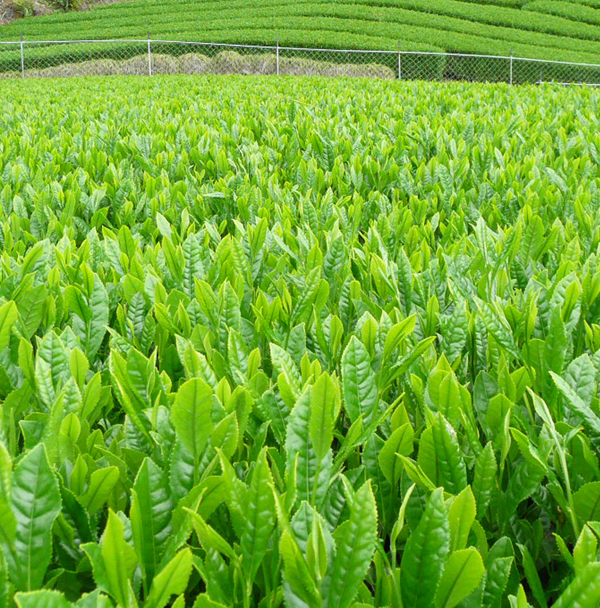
{"x": 554, "y": 29}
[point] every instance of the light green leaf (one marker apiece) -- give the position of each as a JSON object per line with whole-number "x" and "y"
{"x": 587, "y": 502}
{"x": 5, "y": 473}
{"x": 35, "y": 503}
{"x": 399, "y": 443}
{"x": 171, "y": 580}
{"x": 119, "y": 560}
{"x": 296, "y": 573}
{"x": 498, "y": 571}
{"x": 533, "y": 578}
{"x": 462, "y": 574}
{"x": 210, "y": 538}
{"x": 51, "y": 367}
{"x": 581, "y": 377}
{"x": 397, "y": 334}
{"x": 440, "y": 455}
{"x": 259, "y": 512}
{"x": 323, "y": 412}
{"x": 8, "y": 316}
{"x": 150, "y": 515}
{"x": 163, "y": 225}
{"x": 584, "y": 590}
{"x": 461, "y": 516}
{"x": 306, "y": 299}
{"x": 126, "y": 391}
{"x": 31, "y": 306}
{"x": 94, "y": 600}
{"x": 39, "y": 599}
{"x": 455, "y": 331}
{"x": 519, "y": 600}
{"x": 192, "y": 415}
{"x": 578, "y": 406}
{"x": 91, "y": 319}
{"x": 102, "y": 483}
{"x": 498, "y": 328}
{"x": 484, "y": 480}
{"x": 355, "y": 543}
{"x": 425, "y": 554}
{"x": 313, "y": 475}
{"x": 585, "y": 549}
{"x": 204, "y": 601}
{"x": 358, "y": 382}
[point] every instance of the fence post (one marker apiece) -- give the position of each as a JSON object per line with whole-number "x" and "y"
{"x": 277, "y": 56}
{"x": 149, "y": 57}
{"x": 511, "y": 66}
{"x": 22, "y": 59}
{"x": 399, "y": 62}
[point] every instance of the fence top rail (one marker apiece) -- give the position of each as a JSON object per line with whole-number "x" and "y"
{"x": 82, "y": 41}
{"x": 139, "y": 41}
{"x": 506, "y": 57}
{"x": 558, "y": 62}
{"x": 295, "y": 48}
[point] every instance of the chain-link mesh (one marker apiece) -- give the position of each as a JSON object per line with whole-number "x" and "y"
{"x": 36, "y": 59}
{"x": 60, "y": 59}
{"x": 206, "y": 58}
{"x": 10, "y": 60}
{"x": 535, "y": 71}
{"x": 349, "y": 63}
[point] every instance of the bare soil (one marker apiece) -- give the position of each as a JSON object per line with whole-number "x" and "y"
{"x": 9, "y": 10}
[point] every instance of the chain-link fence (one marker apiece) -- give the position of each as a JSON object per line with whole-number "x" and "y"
{"x": 35, "y": 59}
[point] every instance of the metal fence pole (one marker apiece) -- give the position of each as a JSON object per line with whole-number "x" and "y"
{"x": 149, "y": 57}
{"x": 511, "y": 66}
{"x": 399, "y": 62}
{"x": 22, "y": 59}
{"x": 277, "y": 56}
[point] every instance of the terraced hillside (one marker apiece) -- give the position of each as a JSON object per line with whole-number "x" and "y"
{"x": 547, "y": 29}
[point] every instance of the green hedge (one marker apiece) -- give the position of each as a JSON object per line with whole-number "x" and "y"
{"x": 498, "y": 16}
{"x": 498, "y": 39}
{"x": 346, "y": 27}
{"x": 579, "y": 12}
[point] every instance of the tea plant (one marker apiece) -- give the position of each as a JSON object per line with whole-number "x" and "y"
{"x": 299, "y": 342}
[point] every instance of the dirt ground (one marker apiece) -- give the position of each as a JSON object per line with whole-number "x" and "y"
{"x": 9, "y": 12}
